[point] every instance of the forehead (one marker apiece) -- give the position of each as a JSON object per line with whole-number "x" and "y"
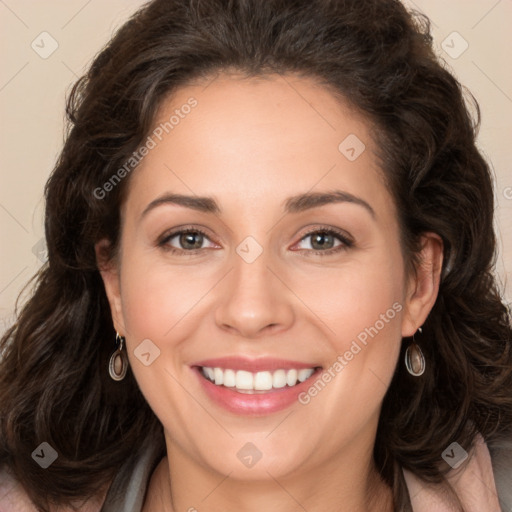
{"x": 258, "y": 140}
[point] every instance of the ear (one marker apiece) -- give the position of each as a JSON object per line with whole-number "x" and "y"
{"x": 423, "y": 284}
{"x": 109, "y": 270}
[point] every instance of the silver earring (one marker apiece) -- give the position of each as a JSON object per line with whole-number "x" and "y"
{"x": 414, "y": 358}
{"x": 118, "y": 363}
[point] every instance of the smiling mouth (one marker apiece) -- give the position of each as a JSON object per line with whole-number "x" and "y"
{"x": 244, "y": 381}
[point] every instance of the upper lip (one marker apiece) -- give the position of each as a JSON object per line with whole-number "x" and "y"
{"x": 254, "y": 365}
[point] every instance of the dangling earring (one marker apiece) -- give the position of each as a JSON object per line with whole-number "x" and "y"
{"x": 414, "y": 359}
{"x": 118, "y": 363}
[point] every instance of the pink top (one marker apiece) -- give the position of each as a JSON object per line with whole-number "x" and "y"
{"x": 473, "y": 483}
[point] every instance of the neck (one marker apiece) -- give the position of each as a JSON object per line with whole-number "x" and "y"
{"x": 341, "y": 484}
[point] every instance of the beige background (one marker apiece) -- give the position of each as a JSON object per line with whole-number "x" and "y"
{"x": 32, "y": 92}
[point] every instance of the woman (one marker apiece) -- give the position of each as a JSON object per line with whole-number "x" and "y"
{"x": 269, "y": 280}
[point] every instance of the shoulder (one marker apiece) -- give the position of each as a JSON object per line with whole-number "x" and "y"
{"x": 481, "y": 481}
{"x": 125, "y": 494}
{"x": 13, "y": 497}
{"x": 500, "y": 450}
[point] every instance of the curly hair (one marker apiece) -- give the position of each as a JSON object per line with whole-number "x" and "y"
{"x": 374, "y": 54}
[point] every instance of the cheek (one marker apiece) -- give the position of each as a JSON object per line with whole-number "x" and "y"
{"x": 365, "y": 292}
{"x": 360, "y": 307}
{"x": 375, "y": 311}
{"x": 159, "y": 305}
{"x": 155, "y": 297}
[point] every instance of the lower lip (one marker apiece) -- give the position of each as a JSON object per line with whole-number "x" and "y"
{"x": 256, "y": 404}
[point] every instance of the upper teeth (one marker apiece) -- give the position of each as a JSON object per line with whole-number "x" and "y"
{"x": 260, "y": 381}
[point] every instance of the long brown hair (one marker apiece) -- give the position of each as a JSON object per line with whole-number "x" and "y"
{"x": 54, "y": 386}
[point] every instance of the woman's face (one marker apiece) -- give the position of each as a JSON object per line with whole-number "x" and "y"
{"x": 293, "y": 265}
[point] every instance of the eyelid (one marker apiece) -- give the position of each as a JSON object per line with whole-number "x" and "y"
{"x": 184, "y": 228}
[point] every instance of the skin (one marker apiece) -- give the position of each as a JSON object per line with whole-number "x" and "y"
{"x": 250, "y": 144}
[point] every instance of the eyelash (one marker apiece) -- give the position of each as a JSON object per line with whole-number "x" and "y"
{"x": 347, "y": 243}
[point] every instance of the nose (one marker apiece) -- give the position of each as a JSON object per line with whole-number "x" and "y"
{"x": 255, "y": 300}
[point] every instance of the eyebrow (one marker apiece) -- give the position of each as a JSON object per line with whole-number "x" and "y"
{"x": 294, "y": 204}
{"x": 302, "y": 202}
